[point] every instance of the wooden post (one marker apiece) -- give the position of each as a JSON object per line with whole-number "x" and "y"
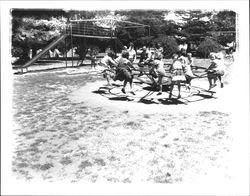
{"x": 71, "y": 46}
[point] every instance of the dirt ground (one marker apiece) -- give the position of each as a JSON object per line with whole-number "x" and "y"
{"x": 67, "y": 128}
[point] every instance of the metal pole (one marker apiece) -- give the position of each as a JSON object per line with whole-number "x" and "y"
{"x": 71, "y": 45}
{"x": 115, "y": 35}
{"x": 111, "y": 37}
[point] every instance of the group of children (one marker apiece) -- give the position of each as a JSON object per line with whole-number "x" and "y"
{"x": 181, "y": 71}
{"x": 181, "y": 68}
{"x": 120, "y": 68}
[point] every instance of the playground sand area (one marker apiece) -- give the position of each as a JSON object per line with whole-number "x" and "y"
{"x": 67, "y": 130}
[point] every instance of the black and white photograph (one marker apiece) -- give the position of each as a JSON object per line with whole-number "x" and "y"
{"x": 113, "y": 98}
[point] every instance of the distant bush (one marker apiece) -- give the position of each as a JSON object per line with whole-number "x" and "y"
{"x": 206, "y": 47}
{"x": 225, "y": 39}
{"x": 16, "y": 52}
{"x": 169, "y": 44}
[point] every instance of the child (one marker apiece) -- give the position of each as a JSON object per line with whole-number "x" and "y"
{"x": 188, "y": 70}
{"x": 110, "y": 64}
{"x": 91, "y": 55}
{"x": 124, "y": 71}
{"x": 215, "y": 70}
{"x": 177, "y": 75}
{"x": 144, "y": 55}
{"x": 132, "y": 53}
{"x": 210, "y": 71}
{"x": 190, "y": 60}
{"x": 159, "y": 48}
{"x": 160, "y": 71}
{"x": 220, "y": 69}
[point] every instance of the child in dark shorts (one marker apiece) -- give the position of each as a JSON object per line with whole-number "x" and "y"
{"x": 124, "y": 71}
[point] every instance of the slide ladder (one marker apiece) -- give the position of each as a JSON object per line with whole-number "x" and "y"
{"x": 46, "y": 49}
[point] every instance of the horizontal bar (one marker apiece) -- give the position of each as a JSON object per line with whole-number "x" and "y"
{"x": 90, "y": 36}
{"x": 128, "y": 22}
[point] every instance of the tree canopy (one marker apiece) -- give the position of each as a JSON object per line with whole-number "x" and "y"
{"x": 36, "y": 28}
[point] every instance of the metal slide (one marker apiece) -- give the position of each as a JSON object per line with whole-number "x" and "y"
{"x": 46, "y": 49}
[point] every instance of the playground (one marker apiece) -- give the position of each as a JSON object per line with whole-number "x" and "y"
{"x": 67, "y": 130}
{"x": 70, "y": 126}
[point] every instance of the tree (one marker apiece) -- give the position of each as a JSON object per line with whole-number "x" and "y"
{"x": 34, "y": 30}
{"x": 169, "y": 45}
{"x": 153, "y": 18}
{"x": 226, "y": 39}
{"x": 224, "y": 21}
{"x": 208, "y": 46}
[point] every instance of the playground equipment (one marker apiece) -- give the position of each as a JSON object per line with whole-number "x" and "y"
{"x": 106, "y": 28}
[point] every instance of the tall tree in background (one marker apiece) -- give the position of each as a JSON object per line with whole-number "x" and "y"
{"x": 35, "y": 29}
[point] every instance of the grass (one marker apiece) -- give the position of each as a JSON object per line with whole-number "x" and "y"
{"x": 78, "y": 142}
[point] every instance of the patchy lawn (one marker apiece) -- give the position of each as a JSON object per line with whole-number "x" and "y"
{"x": 74, "y": 139}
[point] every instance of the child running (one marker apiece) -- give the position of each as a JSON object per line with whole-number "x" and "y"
{"x": 110, "y": 64}
{"x": 160, "y": 71}
{"x": 215, "y": 70}
{"x": 188, "y": 63}
{"x": 220, "y": 70}
{"x": 177, "y": 75}
{"x": 124, "y": 71}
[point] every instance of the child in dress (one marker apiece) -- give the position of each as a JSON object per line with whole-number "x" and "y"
{"x": 160, "y": 71}
{"x": 188, "y": 70}
{"x": 177, "y": 75}
{"x": 215, "y": 70}
{"x": 108, "y": 62}
{"x": 132, "y": 53}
